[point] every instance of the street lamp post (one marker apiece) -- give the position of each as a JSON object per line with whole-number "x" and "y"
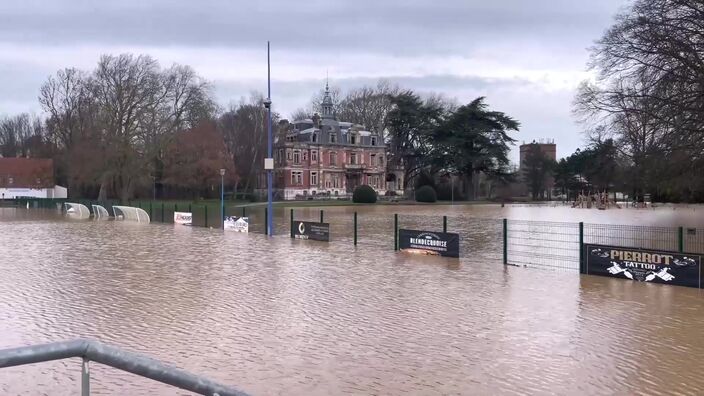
{"x": 222, "y": 197}
{"x": 269, "y": 161}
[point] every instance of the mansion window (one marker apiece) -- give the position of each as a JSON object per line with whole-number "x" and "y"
{"x": 305, "y": 155}
{"x": 353, "y": 139}
{"x": 333, "y": 159}
{"x": 372, "y": 158}
{"x": 288, "y": 155}
{"x": 335, "y": 181}
{"x": 314, "y": 137}
{"x": 314, "y": 178}
{"x": 296, "y": 177}
{"x": 381, "y": 160}
{"x": 296, "y": 157}
{"x": 314, "y": 155}
{"x": 373, "y": 140}
{"x": 373, "y": 181}
{"x": 333, "y": 137}
{"x": 353, "y": 158}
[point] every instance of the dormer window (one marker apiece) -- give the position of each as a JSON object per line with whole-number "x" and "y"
{"x": 314, "y": 138}
{"x": 353, "y": 139}
{"x": 373, "y": 140}
{"x": 333, "y": 137}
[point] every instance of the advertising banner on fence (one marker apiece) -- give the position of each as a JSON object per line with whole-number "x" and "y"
{"x": 311, "y": 230}
{"x": 431, "y": 243}
{"x": 642, "y": 265}
{"x": 183, "y": 218}
{"x": 238, "y": 224}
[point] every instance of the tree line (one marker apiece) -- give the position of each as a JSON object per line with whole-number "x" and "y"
{"x": 643, "y": 110}
{"x": 646, "y": 102}
{"x": 131, "y": 128}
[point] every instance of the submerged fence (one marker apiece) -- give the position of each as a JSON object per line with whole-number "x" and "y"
{"x": 512, "y": 242}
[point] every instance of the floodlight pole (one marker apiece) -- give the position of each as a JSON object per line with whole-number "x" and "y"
{"x": 269, "y": 160}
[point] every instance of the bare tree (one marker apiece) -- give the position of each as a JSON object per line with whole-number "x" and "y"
{"x": 649, "y": 92}
{"x": 16, "y": 133}
{"x": 300, "y": 114}
{"x": 244, "y": 128}
{"x": 369, "y": 106}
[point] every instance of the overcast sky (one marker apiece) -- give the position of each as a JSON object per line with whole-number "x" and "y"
{"x": 525, "y": 56}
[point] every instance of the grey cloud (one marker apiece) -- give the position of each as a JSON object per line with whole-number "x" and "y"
{"x": 543, "y": 34}
{"x": 395, "y": 27}
{"x": 19, "y": 88}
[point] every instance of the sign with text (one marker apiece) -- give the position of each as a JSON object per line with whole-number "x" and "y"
{"x": 432, "y": 243}
{"x": 183, "y": 218}
{"x": 310, "y": 230}
{"x": 682, "y": 269}
{"x": 237, "y": 224}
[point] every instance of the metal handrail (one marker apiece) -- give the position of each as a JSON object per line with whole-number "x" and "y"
{"x": 133, "y": 363}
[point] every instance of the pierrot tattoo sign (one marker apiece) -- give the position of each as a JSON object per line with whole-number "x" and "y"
{"x": 642, "y": 265}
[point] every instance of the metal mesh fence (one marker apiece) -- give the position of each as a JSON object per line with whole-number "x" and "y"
{"x": 543, "y": 243}
{"x": 643, "y": 237}
{"x": 693, "y": 240}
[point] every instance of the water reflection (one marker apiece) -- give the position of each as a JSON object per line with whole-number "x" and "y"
{"x": 279, "y": 316}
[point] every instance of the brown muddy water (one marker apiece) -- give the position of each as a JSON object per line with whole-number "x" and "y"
{"x": 275, "y": 316}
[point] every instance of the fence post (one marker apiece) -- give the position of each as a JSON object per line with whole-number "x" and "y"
{"x": 680, "y": 239}
{"x": 244, "y": 211}
{"x": 150, "y": 211}
{"x": 395, "y": 231}
{"x": 291, "y": 230}
{"x": 505, "y": 234}
{"x": 321, "y": 215}
{"x": 355, "y": 228}
{"x": 266, "y": 221}
{"x": 444, "y": 224}
{"x": 206, "y": 215}
{"x": 162, "y": 212}
{"x": 85, "y": 378}
{"x": 189, "y": 210}
{"x": 582, "y": 266}
{"x": 175, "y": 207}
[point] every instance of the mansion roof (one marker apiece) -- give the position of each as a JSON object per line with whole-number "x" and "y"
{"x": 328, "y": 130}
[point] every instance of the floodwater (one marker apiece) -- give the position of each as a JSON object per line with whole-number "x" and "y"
{"x": 278, "y": 316}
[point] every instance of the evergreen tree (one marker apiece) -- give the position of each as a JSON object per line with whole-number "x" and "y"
{"x": 474, "y": 139}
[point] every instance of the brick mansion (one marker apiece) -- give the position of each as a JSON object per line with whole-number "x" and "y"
{"x": 324, "y": 157}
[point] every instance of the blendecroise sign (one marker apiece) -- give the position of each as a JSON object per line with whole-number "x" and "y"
{"x": 432, "y": 243}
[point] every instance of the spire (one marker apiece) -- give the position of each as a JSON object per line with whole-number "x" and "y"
{"x": 327, "y": 104}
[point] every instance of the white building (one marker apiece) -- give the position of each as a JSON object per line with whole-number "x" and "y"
{"x": 29, "y": 177}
